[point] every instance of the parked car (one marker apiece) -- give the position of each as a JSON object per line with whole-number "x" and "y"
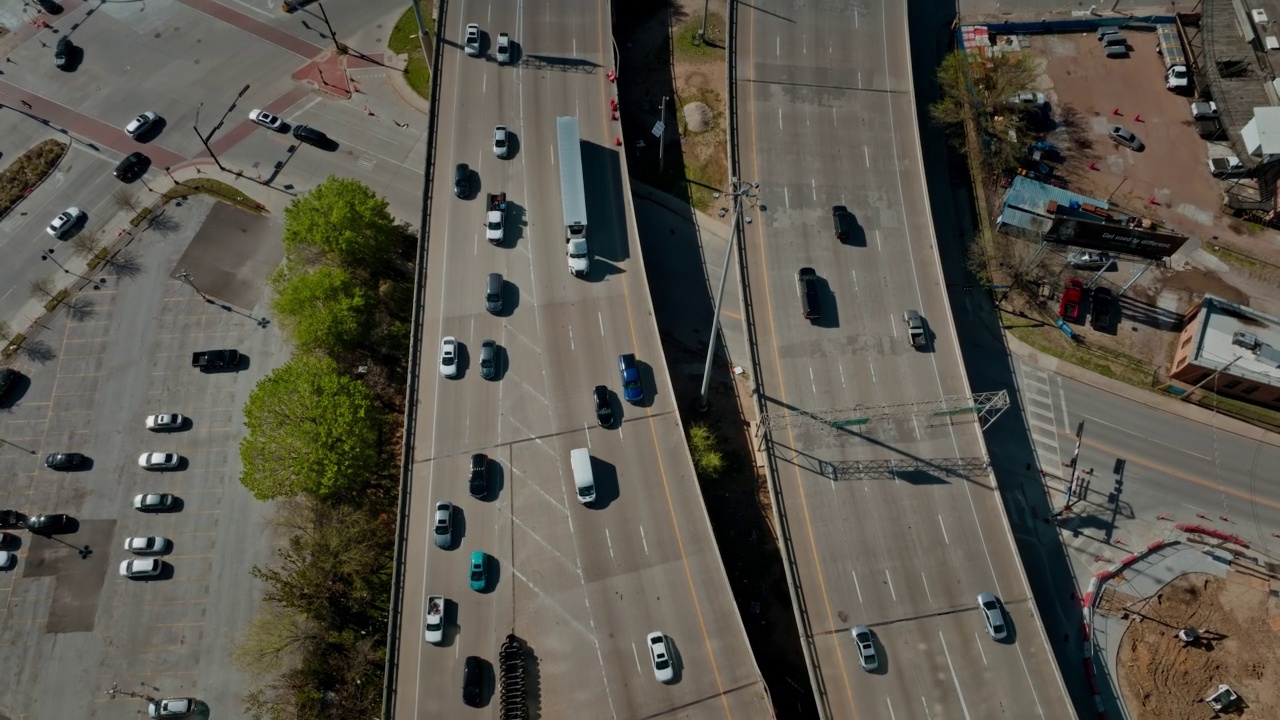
{"x": 8, "y": 381}
{"x": 49, "y": 524}
{"x": 141, "y": 124}
{"x": 866, "y": 647}
{"x": 7, "y": 559}
{"x": 604, "y": 408}
{"x": 159, "y": 460}
{"x": 266, "y": 119}
{"x": 993, "y": 616}
{"x": 66, "y": 221}
{"x": 1086, "y": 260}
{"x": 632, "y": 389}
{"x": 664, "y": 668}
{"x": 1121, "y": 136}
{"x": 141, "y": 567}
{"x": 1100, "y": 315}
{"x": 153, "y": 502}
{"x": 63, "y": 461}
{"x": 504, "y": 49}
{"x": 150, "y": 545}
{"x": 49, "y": 7}
{"x": 449, "y": 357}
{"x": 171, "y": 707}
{"x": 165, "y": 421}
{"x": 1072, "y": 308}
{"x": 478, "y": 480}
{"x": 489, "y": 360}
{"x": 479, "y": 573}
{"x": 443, "y": 532}
{"x": 472, "y": 43}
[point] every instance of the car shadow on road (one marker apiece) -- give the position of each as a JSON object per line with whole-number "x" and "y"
{"x": 829, "y": 314}
{"x": 608, "y": 490}
{"x": 497, "y": 480}
{"x": 516, "y": 225}
{"x": 510, "y": 299}
{"x": 602, "y": 175}
{"x": 648, "y": 384}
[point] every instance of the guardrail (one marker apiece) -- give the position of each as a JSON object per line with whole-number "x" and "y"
{"x": 415, "y": 361}
{"x": 748, "y": 324}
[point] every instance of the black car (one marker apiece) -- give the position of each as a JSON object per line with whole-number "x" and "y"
{"x": 131, "y": 167}
{"x": 807, "y": 282}
{"x": 310, "y": 135}
{"x": 49, "y": 524}
{"x": 63, "y": 461}
{"x": 62, "y": 53}
{"x": 8, "y": 380}
{"x": 840, "y": 219}
{"x": 462, "y": 181}
{"x": 10, "y": 518}
{"x": 604, "y": 408}
{"x": 49, "y": 6}
{"x": 1103, "y": 301}
{"x": 478, "y": 483}
{"x": 472, "y": 681}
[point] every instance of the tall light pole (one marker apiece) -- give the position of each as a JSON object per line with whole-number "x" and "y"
{"x": 739, "y": 190}
{"x": 185, "y": 277}
{"x": 204, "y": 139}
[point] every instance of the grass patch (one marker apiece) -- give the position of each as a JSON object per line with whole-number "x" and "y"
{"x": 56, "y": 300}
{"x": 142, "y": 215}
{"x": 15, "y": 343}
{"x": 1238, "y": 409}
{"x": 29, "y": 170}
{"x": 99, "y": 257}
{"x": 705, "y": 163}
{"x": 1240, "y": 259}
{"x": 1049, "y": 340}
{"x": 209, "y": 186}
{"x": 690, "y": 47}
{"x": 404, "y": 41}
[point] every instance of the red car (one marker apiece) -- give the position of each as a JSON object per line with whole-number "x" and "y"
{"x": 1072, "y": 309}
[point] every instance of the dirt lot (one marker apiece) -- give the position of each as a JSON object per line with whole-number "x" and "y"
{"x": 1161, "y": 678}
{"x": 1168, "y": 182}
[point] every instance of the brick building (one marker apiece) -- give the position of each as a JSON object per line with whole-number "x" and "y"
{"x": 1233, "y": 350}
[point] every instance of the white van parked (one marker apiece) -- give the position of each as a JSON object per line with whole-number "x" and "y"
{"x": 583, "y": 480}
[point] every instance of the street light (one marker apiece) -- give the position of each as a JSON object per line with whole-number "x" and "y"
{"x": 97, "y": 283}
{"x": 739, "y": 190}
{"x": 185, "y": 276}
{"x": 204, "y": 140}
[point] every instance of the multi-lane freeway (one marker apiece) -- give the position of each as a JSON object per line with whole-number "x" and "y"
{"x": 582, "y": 586}
{"x": 827, "y": 118}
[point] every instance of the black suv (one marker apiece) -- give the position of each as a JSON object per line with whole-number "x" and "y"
{"x": 310, "y": 135}
{"x": 807, "y": 282}
{"x": 840, "y": 218}
{"x": 604, "y": 408}
{"x": 131, "y": 167}
{"x": 1100, "y": 317}
{"x": 62, "y": 53}
{"x": 49, "y": 524}
{"x": 462, "y": 181}
{"x": 473, "y": 681}
{"x": 63, "y": 461}
{"x": 8, "y": 379}
{"x": 478, "y": 483}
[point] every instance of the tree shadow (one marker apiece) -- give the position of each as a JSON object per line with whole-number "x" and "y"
{"x": 80, "y": 309}
{"x": 123, "y": 264}
{"x": 163, "y": 223}
{"x": 38, "y": 351}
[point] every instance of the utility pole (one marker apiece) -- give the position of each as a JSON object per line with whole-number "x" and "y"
{"x": 739, "y": 190}
{"x": 1187, "y": 395}
{"x": 702, "y": 34}
{"x": 332, "y": 35}
{"x": 48, "y": 255}
{"x": 662, "y": 138}
{"x": 185, "y": 277}
{"x": 204, "y": 140}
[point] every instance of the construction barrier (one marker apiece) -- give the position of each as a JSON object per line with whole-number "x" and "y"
{"x": 1219, "y": 534}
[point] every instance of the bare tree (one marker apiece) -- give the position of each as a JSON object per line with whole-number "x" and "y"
{"x": 43, "y": 289}
{"x": 122, "y": 199}
{"x": 86, "y": 243}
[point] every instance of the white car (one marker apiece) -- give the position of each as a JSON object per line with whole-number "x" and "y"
{"x": 171, "y": 707}
{"x": 993, "y": 616}
{"x": 866, "y": 647}
{"x": 1086, "y": 260}
{"x": 141, "y": 567}
{"x": 6, "y": 559}
{"x": 141, "y": 124}
{"x": 449, "y": 357}
{"x": 151, "y": 502}
{"x": 66, "y": 220}
{"x": 504, "y": 49}
{"x": 664, "y": 668}
{"x": 265, "y": 119}
{"x": 165, "y": 421}
{"x": 158, "y": 461}
{"x": 501, "y": 141}
{"x": 473, "y": 40}
{"x": 151, "y": 545}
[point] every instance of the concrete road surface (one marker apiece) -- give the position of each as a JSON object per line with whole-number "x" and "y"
{"x": 904, "y": 546}
{"x": 583, "y": 586}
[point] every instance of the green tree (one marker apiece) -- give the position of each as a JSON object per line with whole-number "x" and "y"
{"x": 324, "y": 309}
{"x": 704, "y": 446}
{"x": 344, "y": 219}
{"x": 976, "y": 90}
{"x": 311, "y": 430}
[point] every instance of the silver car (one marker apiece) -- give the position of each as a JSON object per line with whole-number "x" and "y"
{"x": 141, "y": 124}
{"x": 664, "y": 668}
{"x": 472, "y": 44}
{"x": 504, "y": 48}
{"x": 159, "y": 461}
{"x": 501, "y": 142}
{"x": 866, "y": 647}
{"x": 993, "y": 615}
{"x": 1121, "y": 136}
{"x": 449, "y": 357}
{"x": 489, "y": 360}
{"x": 444, "y": 525}
{"x": 65, "y": 222}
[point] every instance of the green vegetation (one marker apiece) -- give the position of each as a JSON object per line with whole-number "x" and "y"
{"x": 704, "y": 446}
{"x": 975, "y": 93}
{"x": 404, "y": 41}
{"x": 217, "y": 189}
{"x": 1049, "y": 339}
{"x": 28, "y": 171}
{"x": 1242, "y": 410}
{"x": 324, "y": 442}
{"x": 311, "y": 430}
{"x": 689, "y": 47}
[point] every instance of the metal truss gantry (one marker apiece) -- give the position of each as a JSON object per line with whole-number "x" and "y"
{"x": 986, "y": 407}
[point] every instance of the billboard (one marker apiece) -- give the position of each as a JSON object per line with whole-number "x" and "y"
{"x": 1116, "y": 239}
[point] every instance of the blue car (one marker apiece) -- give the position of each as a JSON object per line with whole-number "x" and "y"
{"x": 479, "y": 571}
{"x": 632, "y": 390}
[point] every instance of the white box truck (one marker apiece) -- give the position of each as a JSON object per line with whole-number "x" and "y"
{"x": 583, "y": 480}
{"x": 572, "y": 196}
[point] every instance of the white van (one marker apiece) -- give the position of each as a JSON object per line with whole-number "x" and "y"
{"x": 583, "y": 480}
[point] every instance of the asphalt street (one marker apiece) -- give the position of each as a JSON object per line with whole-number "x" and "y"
{"x": 899, "y": 543}
{"x": 582, "y": 586}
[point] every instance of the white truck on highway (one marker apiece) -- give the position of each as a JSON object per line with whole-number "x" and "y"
{"x": 434, "y": 629}
{"x": 573, "y": 196}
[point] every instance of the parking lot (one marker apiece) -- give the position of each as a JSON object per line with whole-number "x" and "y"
{"x": 74, "y": 627}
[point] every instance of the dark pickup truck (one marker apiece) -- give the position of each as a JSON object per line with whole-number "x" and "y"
{"x": 215, "y": 359}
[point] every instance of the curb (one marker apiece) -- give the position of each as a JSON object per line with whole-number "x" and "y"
{"x": 66, "y": 151}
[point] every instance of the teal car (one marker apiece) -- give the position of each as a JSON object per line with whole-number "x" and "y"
{"x": 479, "y": 571}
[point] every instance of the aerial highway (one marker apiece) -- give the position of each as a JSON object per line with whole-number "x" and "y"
{"x": 905, "y": 542}
{"x": 582, "y": 585}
